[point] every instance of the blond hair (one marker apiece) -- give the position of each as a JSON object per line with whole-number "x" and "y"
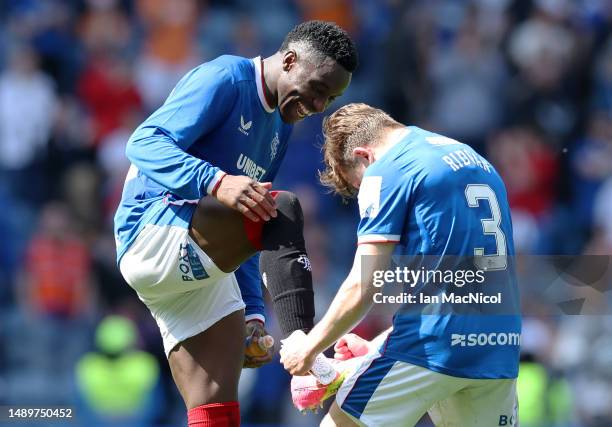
{"x": 354, "y": 125}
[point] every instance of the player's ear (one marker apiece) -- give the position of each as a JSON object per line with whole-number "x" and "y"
{"x": 289, "y": 59}
{"x": 364, "y": 153}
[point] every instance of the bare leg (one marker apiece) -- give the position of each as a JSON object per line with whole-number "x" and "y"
{"x": 206, "y": 367}
{"x": 220, "y": 232}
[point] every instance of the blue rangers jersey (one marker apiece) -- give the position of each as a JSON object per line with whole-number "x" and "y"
{"x": 215, "y": 120}
{"x": 443, "y": 204}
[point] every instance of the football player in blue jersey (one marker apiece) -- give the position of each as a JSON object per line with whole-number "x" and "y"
{"x": 197, "y": 207}
{"x": 426, "y": 203}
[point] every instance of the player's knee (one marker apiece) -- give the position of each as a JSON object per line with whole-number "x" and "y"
{"x": 289, "y": 205}
{"x": 288, "y": 226}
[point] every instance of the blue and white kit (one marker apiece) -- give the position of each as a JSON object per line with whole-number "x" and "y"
{"x": 439, "y": 201}
{"x": 215, "y": 121}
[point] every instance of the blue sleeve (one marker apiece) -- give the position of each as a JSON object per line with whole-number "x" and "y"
{"x": 158, "y": 148}
{"x": 249, "y": 281}
{"x": 383, "y": 208}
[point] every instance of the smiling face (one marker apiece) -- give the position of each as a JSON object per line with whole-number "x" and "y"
{"x": 305, "y": 88}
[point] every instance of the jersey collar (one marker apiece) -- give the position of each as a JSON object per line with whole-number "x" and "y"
{"x": 259, "y": 83}
{"x": 396, "y": 139}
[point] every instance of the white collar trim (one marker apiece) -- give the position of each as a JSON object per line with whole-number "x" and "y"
{"x": 259, "y": 84}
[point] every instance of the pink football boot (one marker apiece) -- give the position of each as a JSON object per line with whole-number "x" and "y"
{"x": 308, "y": 394}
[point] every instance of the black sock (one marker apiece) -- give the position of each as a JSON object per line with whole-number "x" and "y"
{"x": 285, "y": 267}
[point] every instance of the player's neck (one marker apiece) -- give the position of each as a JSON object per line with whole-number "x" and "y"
{"x": 389, "y": 138}
{"x": 270, "y": 77}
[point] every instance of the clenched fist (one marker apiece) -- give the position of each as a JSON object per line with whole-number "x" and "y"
{"x": 351, "y": 345}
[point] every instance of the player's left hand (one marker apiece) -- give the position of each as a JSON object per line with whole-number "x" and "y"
{"x": 296, "y": 359}
{"x": 255, "y": 329}
{"x": 351, "y": 345}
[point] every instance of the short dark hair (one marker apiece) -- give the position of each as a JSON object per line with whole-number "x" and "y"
{"x": 327, "y": 38}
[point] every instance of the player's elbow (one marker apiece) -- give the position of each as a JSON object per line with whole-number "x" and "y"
{"x": 129, "y": 150}
{"x": 132, "y": 150}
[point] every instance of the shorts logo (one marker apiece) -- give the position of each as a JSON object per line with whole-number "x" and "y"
{"x": 509, "y": 420}
{"x": 505, "y": 420}
{"x": 190, "y": 265}
{"x": 473, "y": 340}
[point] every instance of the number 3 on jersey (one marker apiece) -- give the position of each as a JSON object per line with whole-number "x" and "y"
{"x": 490, "y": 226}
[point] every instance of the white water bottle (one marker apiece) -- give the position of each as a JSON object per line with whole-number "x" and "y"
{"x": 322, "y": 369}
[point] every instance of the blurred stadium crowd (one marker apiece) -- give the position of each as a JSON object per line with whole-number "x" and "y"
{"x": 528, "y": 83}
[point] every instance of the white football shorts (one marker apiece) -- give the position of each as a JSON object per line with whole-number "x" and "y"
{"x": 385, "y": 392}
{"x": 182, "y": 287}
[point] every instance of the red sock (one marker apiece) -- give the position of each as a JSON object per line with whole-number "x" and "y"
{"x": 254, "y": 229}
{"x": 226, "y": 414}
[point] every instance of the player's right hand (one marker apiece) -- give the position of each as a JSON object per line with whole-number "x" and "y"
{"x": 255, "y": 356}
{"x": 349, "y": 346}
{"x": 247, "y": 196}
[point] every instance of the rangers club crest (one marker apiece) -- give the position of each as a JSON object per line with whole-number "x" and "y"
{"x": 274, "y": 146}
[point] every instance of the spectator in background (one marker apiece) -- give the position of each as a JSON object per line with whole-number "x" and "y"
{"x": 56, "y": 296}
{"x": 601, "y": 242}
{"x": 544, "y": 50}
{"x": 408, "y": 55}
{"x": 338, "y": 11}
{"x": 467, "y": 78}
{"x": 528, "y": 166}
{"x": 117, "y": 383}
{"x": 48, "y": 25}
{"x": 57, "y": 272}
{"x": 591, "y": 160}
{"x": 169, "y": 47}
{"x": 104, "y": 27}
{"x": 544, "y": 400}
{"x": 107, "y": 90}
{"x": 583, "y": 350}
{"x": 81, "y": 191}
{"x": 71, "y": 141}
{"x": 591, "y": 165}
{"x": 245, "y": 37}
{"x": 106, "y": 85}
{"x": 27, "y": 109}
{"x": 601, "y": 98}
{"x": 53, "y": 37}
